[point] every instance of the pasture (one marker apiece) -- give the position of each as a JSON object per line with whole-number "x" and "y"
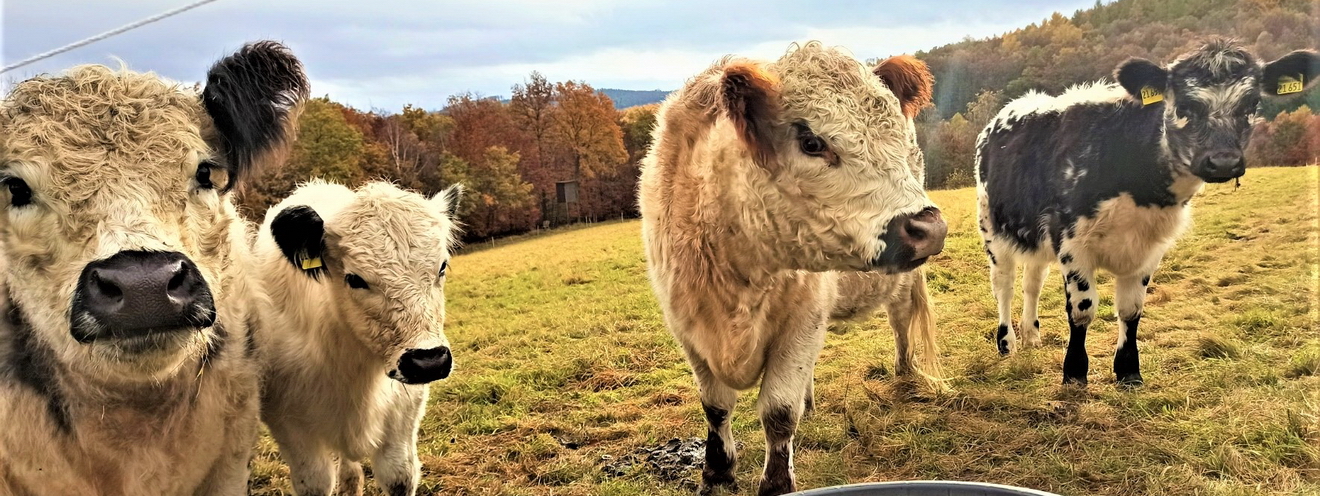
{"x": 563, "y": 366}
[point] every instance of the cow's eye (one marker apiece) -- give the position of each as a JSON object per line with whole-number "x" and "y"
{"x": 19, "y": 193}
{"x": 204, "y": 175}
{"x": 444, "y": 266}
{"x": 812, "y": 145}
{"x": 355, "y": 282}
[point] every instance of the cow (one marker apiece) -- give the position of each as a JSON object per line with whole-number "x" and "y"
{"x": 353, "y": 329}
{"x": 1101, "y": 176}
{"x": 125, "y": 352}
{"x": 765, "y": 180}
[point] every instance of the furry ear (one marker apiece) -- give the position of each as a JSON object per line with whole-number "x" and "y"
{"x": 300, "y": 234}
{"x": 1137, "y": 73}
{"x": 253, "y": 97}
{"x": 750, "y": 97}
{"x": 910, "y": 80}
{"x": 1292, "y": 73}
{"x": 449, "y": 199}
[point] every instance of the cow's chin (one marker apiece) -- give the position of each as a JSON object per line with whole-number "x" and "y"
{"x": 153, "y": 355}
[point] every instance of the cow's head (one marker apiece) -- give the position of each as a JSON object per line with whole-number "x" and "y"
{"x": 383, "y": 253}
{"x": 123, "y": 246}
{"x": 833, "y": 138}
{"x": 1210, "y": 97}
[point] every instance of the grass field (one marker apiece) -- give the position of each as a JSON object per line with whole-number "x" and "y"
{"x": 562, "y": 362}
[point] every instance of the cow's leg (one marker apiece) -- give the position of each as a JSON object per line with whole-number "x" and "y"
{"x": 809, "y": 405}
{"x": 311, "y": 467}
{"x": 395, "y": 465}
{"x": 350, "y": 478}
{"x": 900, "y": 320}
{"x": 717, "y": 401}
{"x": 1130, "y": 297}
{"x": 1033, "y": 278}
{"x": 1080, "y": 302}
{"x": 789, "y": 366}
{"x": 1002, "y": 266}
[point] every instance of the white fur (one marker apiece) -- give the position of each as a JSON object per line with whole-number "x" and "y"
{"x": 329, "y": 350}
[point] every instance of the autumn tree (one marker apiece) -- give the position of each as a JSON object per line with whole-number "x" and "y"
{"x": 328, "y": 147}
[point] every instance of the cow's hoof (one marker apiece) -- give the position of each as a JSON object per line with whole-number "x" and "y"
{"x": 1130, "y": 380}
{"x": 1071, "y": 380}
{"x": 776, "y": 488}
{"x": 711, "y": 481}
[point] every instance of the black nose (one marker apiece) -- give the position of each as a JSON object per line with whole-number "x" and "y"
{"x": 420, "y": 366}
{"x": 911, "y": 239}
{"x": 135, "y": 293}
{"x": 1222, "y": 165}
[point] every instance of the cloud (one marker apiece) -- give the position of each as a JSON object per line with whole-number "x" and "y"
{"x": 386, "y": 53}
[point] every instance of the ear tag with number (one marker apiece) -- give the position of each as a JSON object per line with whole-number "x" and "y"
{"x": 311, "y": 263}
{"x": 1151, "y": 95}
{"x": 1289, "y": 85}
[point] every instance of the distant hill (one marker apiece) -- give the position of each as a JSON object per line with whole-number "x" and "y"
{"x": 632, "y": 98}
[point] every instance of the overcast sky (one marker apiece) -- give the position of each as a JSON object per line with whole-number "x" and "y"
{"x": 384, "y": 53}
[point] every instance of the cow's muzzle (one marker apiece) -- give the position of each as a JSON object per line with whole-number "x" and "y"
{"x": 136, "y": 294}
{"x": 1220, "y": 165}
{"x": 423, "y": 365}
{"x": 911, "y": 239}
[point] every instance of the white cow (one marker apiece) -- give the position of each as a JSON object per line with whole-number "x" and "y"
{"x": 352, "y": 330}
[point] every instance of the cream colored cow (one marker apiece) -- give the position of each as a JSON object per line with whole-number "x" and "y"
{"x": 764, "y": 181}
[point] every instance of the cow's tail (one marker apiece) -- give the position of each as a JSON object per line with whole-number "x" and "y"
{"x": 922, "y": 327}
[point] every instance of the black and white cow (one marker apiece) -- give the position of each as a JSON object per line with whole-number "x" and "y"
{"x": 1100, "y": 178}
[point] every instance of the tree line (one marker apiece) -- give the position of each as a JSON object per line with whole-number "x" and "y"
{"x": 517, "y": 159}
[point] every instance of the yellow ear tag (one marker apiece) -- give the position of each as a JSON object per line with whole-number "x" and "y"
{"x": 1289, "y": 85}
{"x": 311, "y": 263}
{"x": 1151, "y": 95}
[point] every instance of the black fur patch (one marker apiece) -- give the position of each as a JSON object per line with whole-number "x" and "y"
{"x": 401, "y": 489}
{"x": 992, "y": 256}
{"x": 1075, "y": 362}
{"x": 1145, "y": 281}
{"x": 300, "y": 233}
{"x": 1137, "y": 73}
{"x": 1127, "y": 363}
{"x": 1065, "y": 259}
{"x": 719, "y": 461}
{"x": 1000, "y": 336}
{"x": 1084, "y": 305}
{"x": 250, "y": 96}
{"x": 35, "y": 367}
{"x": 1082, "y": 285}
{"x": 779, "y": 425}
{"x": 1037, "y": 324}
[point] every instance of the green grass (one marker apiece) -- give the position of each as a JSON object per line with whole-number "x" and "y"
{"x": 562, "y": 359}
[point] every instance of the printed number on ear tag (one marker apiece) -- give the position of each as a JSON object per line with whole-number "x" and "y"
{"x": 1289, "y": 85}
{"x": 1151, "y": 95}
{"x": 311, "y": 263}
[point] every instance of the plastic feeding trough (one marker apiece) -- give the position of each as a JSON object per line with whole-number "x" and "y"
{"x": 924, "y": 488}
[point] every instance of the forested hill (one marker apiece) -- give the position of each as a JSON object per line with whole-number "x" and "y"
{"x": 1062, "y": 51}
{"x": 632, "y": 98}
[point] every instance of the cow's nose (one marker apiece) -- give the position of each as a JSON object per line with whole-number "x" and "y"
{"x": 1224, "y": 164}
{"x": 136, "y": 293}
{"x": 423, "y": 365}
{"x": 911, "y": 239}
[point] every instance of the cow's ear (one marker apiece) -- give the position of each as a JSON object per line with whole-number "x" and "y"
{"x": 300, "y": 234}
{"x": 1136, "y": 74}
{"x": 1292, "y": 73}
{"x": 449, "y": 199}
{"x": 253, "y": 97}
{"x": 750, "y": 97}
{"x": 910, "y": 80}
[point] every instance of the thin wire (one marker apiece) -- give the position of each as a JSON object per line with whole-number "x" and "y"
{"x": 104, "y": 35}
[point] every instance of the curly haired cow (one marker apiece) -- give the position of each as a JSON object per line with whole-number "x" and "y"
{"x": 766, "y": 178}
{"x": 353, "y": 329}
{"x": 125, "y": 364}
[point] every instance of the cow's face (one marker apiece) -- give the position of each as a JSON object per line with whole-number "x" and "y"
{"x": 121, "y": 241}
{"x": 1210, "y": 98}
{"x": 384, "y": 255}
{"x": 834, "y": 140}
